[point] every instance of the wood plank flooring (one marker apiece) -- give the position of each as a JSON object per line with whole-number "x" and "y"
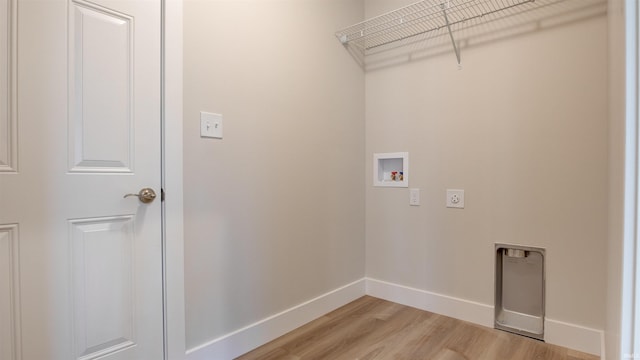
{"x": 375, "y": 329}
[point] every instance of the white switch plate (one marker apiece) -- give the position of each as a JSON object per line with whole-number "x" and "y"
{"x": 210, "y": 125}
{"x": 414, "y": 197}
{"x": 455, "y": 198}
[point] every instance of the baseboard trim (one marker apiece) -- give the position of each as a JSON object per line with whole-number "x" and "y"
{"x": 461, "y": 309}
{"x": 556, "y": 332}
{"x": 574, "y": 337}
{"x": 250, "y": 337}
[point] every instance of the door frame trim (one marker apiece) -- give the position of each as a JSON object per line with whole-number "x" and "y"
{"x": 172, "y": 183}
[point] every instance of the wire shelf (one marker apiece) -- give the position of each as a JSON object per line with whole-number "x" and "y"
{"x": 419, "y": 18}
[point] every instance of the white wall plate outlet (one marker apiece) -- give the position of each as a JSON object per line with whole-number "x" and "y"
{"x": 455, "y": 198}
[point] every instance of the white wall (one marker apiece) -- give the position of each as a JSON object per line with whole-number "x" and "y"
{"x": 523, "y": 129}
{"x": 274, "y": 212}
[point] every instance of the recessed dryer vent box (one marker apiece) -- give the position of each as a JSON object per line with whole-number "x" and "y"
{"x": 520, "y": 290}
{"x": 391, "y": 169}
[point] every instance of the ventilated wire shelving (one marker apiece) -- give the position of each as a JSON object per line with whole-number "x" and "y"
{"x": 420, "y": 18}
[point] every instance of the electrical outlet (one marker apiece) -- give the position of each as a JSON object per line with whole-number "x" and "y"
{"x": 455, "y": 198}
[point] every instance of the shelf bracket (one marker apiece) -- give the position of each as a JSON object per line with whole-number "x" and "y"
{"x": 453, "y": 41}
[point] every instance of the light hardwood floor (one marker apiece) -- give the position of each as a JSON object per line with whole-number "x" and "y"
{"x": 375, "y": 329}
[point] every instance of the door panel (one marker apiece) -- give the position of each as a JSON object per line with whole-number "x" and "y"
{"x": 101, "y": 59}
{"x": 9, "y": 331}
{"x": 87, "y": 94}
{"x": 104, "y": 285}
{"x": 8, "y": 141}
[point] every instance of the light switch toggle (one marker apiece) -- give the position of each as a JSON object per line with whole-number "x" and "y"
{"x": 210, "y": 125}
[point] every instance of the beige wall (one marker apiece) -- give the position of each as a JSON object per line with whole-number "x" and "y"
{"x": 523, "y": 129}
{"x": 616, "y": 171}
{"x": 274, "y": 212}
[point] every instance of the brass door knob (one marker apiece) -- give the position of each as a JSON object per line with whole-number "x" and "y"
{"x": 145, "y": 195}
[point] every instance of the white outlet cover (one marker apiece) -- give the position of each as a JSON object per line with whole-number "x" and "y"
{"x": 210, "y": 125}
{"x": 455, "y": 198}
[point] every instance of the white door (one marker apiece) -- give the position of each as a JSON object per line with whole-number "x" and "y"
{"x": 80, "y": 266}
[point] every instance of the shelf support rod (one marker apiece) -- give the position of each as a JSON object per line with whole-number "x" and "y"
{"x": 453, "y": 41}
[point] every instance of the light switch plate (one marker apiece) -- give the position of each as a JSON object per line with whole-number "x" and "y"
{"x": 455, "y": 198}
{"x": 210, "y": 125}
{"x": 414, "y": 197}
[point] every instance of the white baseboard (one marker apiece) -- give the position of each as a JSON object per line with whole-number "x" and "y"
{"x": 470, "y": 311}
{"x": 574, "y": 337}
{"x": 250, "y": 337}
{"x": 556, "y": 332}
